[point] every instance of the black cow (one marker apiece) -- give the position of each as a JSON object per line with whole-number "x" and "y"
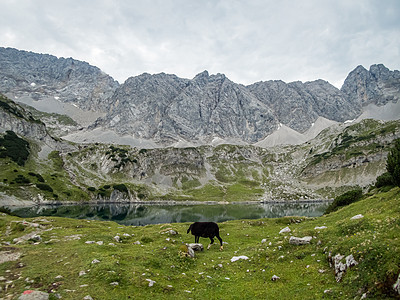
{"x": 206, "y": 230}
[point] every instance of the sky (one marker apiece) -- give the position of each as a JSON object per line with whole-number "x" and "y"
{"x": 248, "y": 41}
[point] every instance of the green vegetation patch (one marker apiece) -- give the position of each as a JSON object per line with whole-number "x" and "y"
{"x": 344, "y": 199}
{"x": 14, "y": 147}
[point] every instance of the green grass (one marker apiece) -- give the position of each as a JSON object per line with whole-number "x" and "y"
{"x": 373, "y": 241}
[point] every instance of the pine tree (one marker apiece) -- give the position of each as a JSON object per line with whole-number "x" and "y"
{"x": 393, "y": 163}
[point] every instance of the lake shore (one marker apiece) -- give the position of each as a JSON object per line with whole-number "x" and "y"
{"x": 8, "y": 201}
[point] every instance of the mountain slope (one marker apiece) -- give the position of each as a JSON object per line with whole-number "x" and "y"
{"x": 339, "y": 158}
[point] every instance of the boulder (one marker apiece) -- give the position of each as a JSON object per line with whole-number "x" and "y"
{"x": 195, "y": 246}
{"x": 186, "y": 251}
{"x": 341, "y": 267}
{"x": 300, "y": 241}
{"x": 34, "y": 295}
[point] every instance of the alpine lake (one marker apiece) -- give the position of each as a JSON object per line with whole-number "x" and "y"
{"x": 135, "y": 214}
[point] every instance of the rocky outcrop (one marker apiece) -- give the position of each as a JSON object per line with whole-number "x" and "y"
{"x": 298, "y": 105}
{"x": 167, "y": 108}
{"x": 40, "y": 76}
{"x": 379, "y": 85}
{"x": 339, "y": 266}
{"x": 15, "y": 118}
{"x": 300, "y": 241}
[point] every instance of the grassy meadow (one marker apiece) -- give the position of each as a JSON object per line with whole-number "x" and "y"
{"x": 79, "y": 258}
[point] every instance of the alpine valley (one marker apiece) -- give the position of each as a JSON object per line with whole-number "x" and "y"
{"x": 69, "y": 132}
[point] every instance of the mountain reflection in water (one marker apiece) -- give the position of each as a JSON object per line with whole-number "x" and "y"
{"x": 143, "y": 214}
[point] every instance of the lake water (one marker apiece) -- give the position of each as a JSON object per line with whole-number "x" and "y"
{"x": 143, "y": 214}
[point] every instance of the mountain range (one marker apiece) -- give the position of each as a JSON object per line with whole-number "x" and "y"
{"x": 163, "y": 110}
{"x": 234, "y": 128}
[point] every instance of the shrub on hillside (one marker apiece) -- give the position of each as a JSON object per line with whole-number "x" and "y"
{"x": 344, "y": 199}
{"x": 393, "y": 163}
{"x": 384, "y": 180}
{"x": 21, "y": 179}
{"x": 14, "y": 147}
{"x": 44, "y": 187}
{"x": 121, "y": 187}
{"x": 38, "y": 176}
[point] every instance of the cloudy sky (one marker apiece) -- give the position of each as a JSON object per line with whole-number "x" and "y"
{"x": 248, "y": 41}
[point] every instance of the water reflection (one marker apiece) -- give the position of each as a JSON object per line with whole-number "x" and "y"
{"x": 140, "y": 214}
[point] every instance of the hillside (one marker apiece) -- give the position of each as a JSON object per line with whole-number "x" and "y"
{"x": 110, "y": 261}
{"x": 339, "y": 158}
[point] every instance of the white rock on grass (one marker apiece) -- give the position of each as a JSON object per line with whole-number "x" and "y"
{"x": 151, "y": 282}
{"x": 285, "y": 230}
{"x": 235, "y": 258}
{"x": 356, "y": 217}
{"x": 300, "y": 241}
{"x": 87, "y": 297}
{"x": 340, "y": 267}
{"x": 95, "y": 261}
{"x": 320, "y": 227}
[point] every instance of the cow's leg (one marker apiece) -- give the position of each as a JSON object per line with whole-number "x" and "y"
{"x": 196, "y": 238}
{"x": 212, "y": 242}
{"x": 220, "y": 241}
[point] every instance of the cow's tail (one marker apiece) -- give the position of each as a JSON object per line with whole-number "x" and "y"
{"x": 190, "y": 228}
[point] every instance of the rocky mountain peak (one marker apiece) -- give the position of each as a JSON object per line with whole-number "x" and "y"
{"x": 380, "y": 72}
{"x": 40, "y": 76}
{"x": 377, "y": 86}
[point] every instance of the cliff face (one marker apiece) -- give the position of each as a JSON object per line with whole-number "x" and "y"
{"x": 298, "y": 105}
{"x": 15, "y": 118}
{"x": 167, "y": 108}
